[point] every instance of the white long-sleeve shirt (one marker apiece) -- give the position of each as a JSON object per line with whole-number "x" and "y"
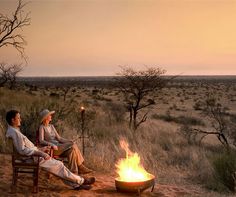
{"x": 25, "y": 147}
{"x": 22, "y": 144}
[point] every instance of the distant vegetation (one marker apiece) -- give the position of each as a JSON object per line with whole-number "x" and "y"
{"x": 166, "y": 142}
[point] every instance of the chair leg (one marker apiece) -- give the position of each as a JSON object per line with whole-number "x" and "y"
{"x": 35, "y": 181}
{"x": 14, "y": 180}
{"x": 15, "y": 176}
{"x": 49, "y": 175}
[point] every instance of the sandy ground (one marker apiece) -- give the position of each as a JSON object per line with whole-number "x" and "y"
{"x": 53, "y": 186}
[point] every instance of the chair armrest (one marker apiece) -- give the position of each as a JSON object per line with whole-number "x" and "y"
{"x": 23, "y": 158}
{"x": 47, "y": 149}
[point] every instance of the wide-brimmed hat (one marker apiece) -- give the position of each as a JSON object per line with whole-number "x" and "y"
{"x": 43, "y": 114}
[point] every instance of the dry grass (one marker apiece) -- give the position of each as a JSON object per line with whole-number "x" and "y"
{"x": 164, "y": 151}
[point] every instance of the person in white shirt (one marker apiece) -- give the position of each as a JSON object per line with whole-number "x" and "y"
{"x": 25, "y": 147}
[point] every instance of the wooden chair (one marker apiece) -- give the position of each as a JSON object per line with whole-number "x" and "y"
{"x": 24, "y": 164}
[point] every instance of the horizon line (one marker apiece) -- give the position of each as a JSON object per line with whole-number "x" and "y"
{"x": 201, "y": 75}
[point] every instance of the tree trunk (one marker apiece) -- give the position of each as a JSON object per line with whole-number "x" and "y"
{"x": 130, "y": 116}
{"x": 135, "y": 119}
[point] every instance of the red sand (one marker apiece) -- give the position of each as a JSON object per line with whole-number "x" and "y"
{"x": 104, "y": 186}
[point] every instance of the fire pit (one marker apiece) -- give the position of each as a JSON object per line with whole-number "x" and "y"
{"x": 132, "y": 176}
{"x": 139, "y": 186}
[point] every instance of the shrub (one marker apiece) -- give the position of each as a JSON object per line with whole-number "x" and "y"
{"x": 167, "y": 117}
{"x": 115, "y": 112}
{"x": 165, "y": 141}
{"x": 224, "y": 166}
{"x": 197, "y": 106}
{"x": 185, "y": 120}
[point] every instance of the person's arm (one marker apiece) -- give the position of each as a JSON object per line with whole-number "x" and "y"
{"x": 59, "y": 138}
{"x": 42, "y": 140}
{"x": 41, "y": 154}
{"x": 18, "y": 142}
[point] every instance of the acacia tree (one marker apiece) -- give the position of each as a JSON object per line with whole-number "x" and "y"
{"x": 219, "y": 119}
{"x": 10, "y": 27}
{"x": 3, "y": 74}
{"x": 65, "y": 91}
{"x": 9, "y": 73}
{"x": 138, "y": 87}
{"x": 10, "y": 36}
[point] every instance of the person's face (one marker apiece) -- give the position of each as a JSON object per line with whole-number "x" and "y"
{"x": 16, "y": 122}
{"x": 49, "y": 118}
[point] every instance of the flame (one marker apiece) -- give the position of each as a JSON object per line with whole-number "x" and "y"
{"x": 129, "y": 169}
{"x": 82, "y": 108}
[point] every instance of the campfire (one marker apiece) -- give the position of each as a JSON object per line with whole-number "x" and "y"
{"x": 132, "y": 176}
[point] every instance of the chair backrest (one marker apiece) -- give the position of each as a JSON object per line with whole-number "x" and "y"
{"x": 8, "y": 144}
{"x": 37, "y": 138}
{"x": 16, "y": 157}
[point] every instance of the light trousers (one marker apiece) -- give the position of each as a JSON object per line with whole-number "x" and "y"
{"x": 57, "y": 168}
{"x": 74, "y": 156}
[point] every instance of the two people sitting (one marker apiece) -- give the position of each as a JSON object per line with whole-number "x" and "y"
{"x": 25, "y": 147}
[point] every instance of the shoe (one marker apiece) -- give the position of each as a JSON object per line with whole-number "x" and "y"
{"x": 83, "y": 169}
{"x": 85, "y": 187}
{"x": 89, "y": 181}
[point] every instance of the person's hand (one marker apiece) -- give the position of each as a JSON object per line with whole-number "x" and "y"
{"x": 47, "y": 157}
{"x": 55, "y": 147}
{"x": 48, "y": 148}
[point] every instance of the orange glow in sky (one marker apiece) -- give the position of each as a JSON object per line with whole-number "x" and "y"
{"x": 94, "y": 37}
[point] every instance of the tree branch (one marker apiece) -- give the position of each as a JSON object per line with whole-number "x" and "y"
{"x": 10, "y": 26}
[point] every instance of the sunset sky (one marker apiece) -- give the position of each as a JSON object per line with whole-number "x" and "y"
{"x": 94, "y": 37}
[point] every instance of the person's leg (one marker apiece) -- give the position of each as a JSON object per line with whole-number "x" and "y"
{"x": 75, "y": 160}
{"x": 79, "y": 156}
{"x": 57, "y": 168}
{"x": 72, "y": 160}
{"x": 68, "y": 150}
{"x": 82, "y": 169}
{"x": 62, "y": 149}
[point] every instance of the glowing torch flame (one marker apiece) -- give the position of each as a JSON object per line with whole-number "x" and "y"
{"x": 129, "y": 169}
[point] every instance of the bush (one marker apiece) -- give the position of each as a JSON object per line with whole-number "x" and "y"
{"x": 224, "y": 166}
{"x": 115, "y": 112}
{"x": 185, "y": 120}
{"x": 197, "y": 106}
{"x": 188, "y": 120}
{"x": 167, "y": 117}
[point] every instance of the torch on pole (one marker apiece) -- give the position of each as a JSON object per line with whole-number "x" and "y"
{"x": 82, "y": 111}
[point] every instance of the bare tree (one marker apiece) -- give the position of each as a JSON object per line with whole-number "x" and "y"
{"x": 232, "y": 129}
{"x": 13, "y": 74}
{"x": 138, "y": 86}
{"x": 10, "y": 26}
{"x": 219, "y": 119}
{"x": 65, "y": 91}
{"x": 3, "y": 74}
{"x": 9, "y": 73}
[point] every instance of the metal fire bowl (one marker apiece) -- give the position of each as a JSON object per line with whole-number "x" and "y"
{"x": 123, "y": 186}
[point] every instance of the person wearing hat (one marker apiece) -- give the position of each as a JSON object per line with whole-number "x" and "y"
{"x": 48, "y": 136}
{"x": 25, "y": 147}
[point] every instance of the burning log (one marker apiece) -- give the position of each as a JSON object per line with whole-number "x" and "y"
{"x": 132, "y": 176}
